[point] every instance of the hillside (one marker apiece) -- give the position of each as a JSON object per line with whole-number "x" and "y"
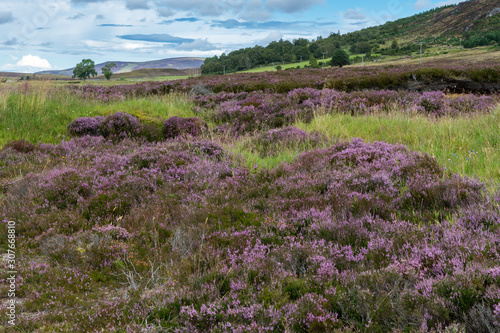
{"x": 443, "y": 25}
{"x": 127, "y": 66}
{"x": 468, "y": 24}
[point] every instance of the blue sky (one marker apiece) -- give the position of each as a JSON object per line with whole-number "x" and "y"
{"x": 56, "y": 34}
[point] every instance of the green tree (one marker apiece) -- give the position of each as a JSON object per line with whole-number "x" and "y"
{"x": 313, "y": 62}
{"x": 339, "y": 58}
{"x": 395, "y": 45}
{"x": 107, "y": 70}
{"x": 363, "y": 47}
{"x": 85, "y": 69}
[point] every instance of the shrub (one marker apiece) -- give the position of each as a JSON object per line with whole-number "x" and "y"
{"x": 20, "y": 146}
{"x": 200, "y": 89}
{"x": 177, "y": 126}
{"x": 121, "y": 125}
{"x": 150, "y": 133}
{"x": 270, "y": 143}
{"x": 85, "y": 126}
{"x": 63, "y": 188}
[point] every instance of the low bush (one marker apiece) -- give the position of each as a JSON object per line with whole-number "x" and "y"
{"x": 179, "y": 127}
{"x": 120, "y": 125}
{"x": 86, "y": 126}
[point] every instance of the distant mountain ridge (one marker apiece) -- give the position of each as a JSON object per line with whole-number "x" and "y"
{"x": 129, "y": 66}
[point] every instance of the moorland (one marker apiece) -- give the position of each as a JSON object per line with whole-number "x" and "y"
{"x": 315, "y": 200}
{"x": 364, "y": 198}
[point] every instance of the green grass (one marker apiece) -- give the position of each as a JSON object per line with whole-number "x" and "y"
{"x": 255, "y": 162}
{"x": 285, "y": 66}
{"x": 469, "y": 146}
{"x": 43, "y": 115}
{"x": 466, "y": 145}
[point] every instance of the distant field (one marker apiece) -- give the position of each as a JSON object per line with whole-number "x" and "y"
{"x": 433, "y": 54}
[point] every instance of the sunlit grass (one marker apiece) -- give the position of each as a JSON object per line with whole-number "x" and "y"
{"x": 466, "y": 145}
{"x": 41, "y": 114}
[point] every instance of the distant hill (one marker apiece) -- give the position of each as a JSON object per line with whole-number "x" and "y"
{"x": 469, "y": 24}
{"x": 439, "y": 25}
{"x": 128, "y": 66}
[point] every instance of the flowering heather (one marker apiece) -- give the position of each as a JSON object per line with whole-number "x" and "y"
{"x": 480, "y": 78}
{"x": 363, "y": 236}
{"x": 85, "y": 126}
{"x": 118, "y": 229}
{"x": 273, "y": 141}
{"x": 120, "y": 125}
{"x": 120, "y": 92}
{"x": 247, "y": 112}
{"x": 256, "y": 111}
{"x": 117, "y": 126}
{"x": 174, "y": 127}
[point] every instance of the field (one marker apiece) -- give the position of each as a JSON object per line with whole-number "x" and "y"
{"x": 315, "y": 200}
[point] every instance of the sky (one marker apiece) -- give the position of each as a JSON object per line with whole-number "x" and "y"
{"x": 38, "y": 35}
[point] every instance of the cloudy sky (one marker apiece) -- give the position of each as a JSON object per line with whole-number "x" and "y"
{"x": 56, "y": 34}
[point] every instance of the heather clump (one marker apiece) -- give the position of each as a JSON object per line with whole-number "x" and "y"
{"x": 21, "y": 146}
{"x": 63, "y": 188}
{"x": 274, "y": 141}
{"x": 258, "y": 111}
{"x": 175, "y": 127}
{"x": 85, "y": 126}
{"x": 376, "y": 178}
{"x": 120, "y": 125}
{"x": 109, "y": 94}
{"x": 116, "y": 126}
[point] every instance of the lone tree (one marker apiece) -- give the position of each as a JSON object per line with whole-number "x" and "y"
{"x": 106, "y": 70}
{"x": 340, "y": 58}
{"x": 85, "y": 69}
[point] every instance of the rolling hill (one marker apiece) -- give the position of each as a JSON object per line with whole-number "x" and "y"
{"x": 468, "y": 24}
{"x": 127, "y": 66}
{"x": 438, "y": 25}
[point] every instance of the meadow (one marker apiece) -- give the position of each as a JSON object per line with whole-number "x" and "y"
{"x": 320, "y": 200}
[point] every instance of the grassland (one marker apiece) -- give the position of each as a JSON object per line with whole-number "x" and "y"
{"x": 466, "y": 145}
{"x": 290, "y": 211}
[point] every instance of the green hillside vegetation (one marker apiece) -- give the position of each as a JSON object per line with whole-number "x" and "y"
{"x": 469, "y": 24}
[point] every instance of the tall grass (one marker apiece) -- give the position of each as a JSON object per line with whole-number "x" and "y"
{"x": 38, "y": 112}
{"x": 465, "y": 145}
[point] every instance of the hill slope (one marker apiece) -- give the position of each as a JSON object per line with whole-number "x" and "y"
{"x": 127, "y": 66}
{"x": 462, "y": 20}
{"x": 471, "y": 23}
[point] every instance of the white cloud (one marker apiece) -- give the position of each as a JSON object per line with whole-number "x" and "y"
{"x": 292, "y": 6}
{"x": 204, "y": 7}
{"x": 164, "y": 12}
{"x": 29, "y": 64}
{"x": 197, "y": 45}
{"x": 255, "y": 11}
{"x": 6, "y": 17}
{"x": 272, "y": 37}
{"x": 354, "y": 14}
{"x": 137, "y": 4}
{"x": 422, "y": 4}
